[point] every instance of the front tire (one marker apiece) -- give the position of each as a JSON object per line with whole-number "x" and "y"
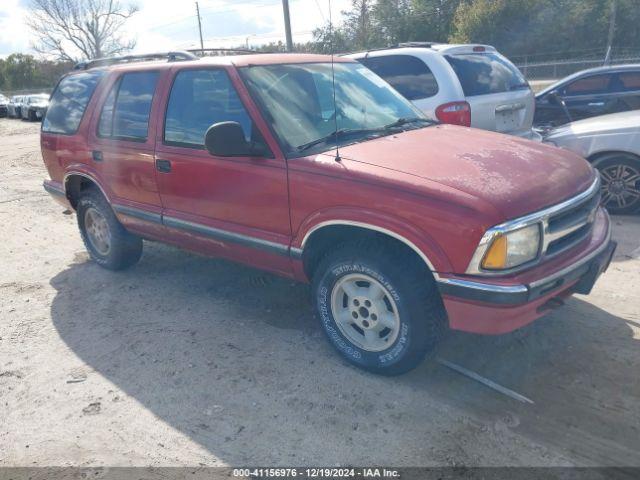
{"x": 380, "y": 311}
{"x": 109, "y": 244}
{"x": 620, "y": 175}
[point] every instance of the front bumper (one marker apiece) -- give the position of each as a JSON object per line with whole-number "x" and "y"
{"x": 478, "y": 305}
{"x": 530, "y": 134}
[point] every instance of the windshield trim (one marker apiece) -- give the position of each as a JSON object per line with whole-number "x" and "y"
{"x": 292, "y": 152}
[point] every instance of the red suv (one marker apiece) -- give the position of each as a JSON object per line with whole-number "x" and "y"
{"x": 323, "y": 173}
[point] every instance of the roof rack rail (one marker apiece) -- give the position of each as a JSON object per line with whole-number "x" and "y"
{"x": 178, "y": 56}
{"x": 399, "y": 45}
{"x": 230, "y": 50}
{"x": 418, "y": 44}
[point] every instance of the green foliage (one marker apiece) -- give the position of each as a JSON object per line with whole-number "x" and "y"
{"x": 515, "y": 27}
{"x": 22, "y": 72}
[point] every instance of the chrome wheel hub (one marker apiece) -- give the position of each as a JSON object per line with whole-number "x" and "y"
{"x": 365, "y": 312}
{"x": 620, "y": 185}
{"x": 97, "y": 230}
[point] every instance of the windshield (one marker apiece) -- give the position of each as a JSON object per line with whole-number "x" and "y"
{"x": 297, "y": 100}
{"x": 38, "y": 98}
{"x": 484, "y": 73}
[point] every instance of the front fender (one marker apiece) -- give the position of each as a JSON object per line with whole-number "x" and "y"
{"x": 417, "y": 239}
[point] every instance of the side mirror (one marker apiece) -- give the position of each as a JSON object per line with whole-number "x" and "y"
{"x": 554, "y": 98}
{"x": 226, "y": 139}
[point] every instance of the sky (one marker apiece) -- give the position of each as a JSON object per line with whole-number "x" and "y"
{"x": 172, "y": 24}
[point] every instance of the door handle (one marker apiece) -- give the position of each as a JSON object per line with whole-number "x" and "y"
{"x": 163, "y": 166}
{"x": 97, "y": 156}
{"x": 596, "y": 104}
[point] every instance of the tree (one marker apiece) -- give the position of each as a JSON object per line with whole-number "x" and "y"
{"x": 71, "y": 30}
{"x": 19, "y": 72}
{"x": 538, "y": 27}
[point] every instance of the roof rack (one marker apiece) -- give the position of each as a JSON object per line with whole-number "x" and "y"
{"x": 222, "y": 50}
{"x": 399, "y": 45}
{"x": 178, "y": 56}
{"x": 418, "y": 44}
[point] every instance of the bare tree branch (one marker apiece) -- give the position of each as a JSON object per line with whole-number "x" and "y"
{"x": 71, "y": 30}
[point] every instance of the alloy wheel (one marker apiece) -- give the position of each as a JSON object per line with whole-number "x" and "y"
{"x": 365, "y": 312}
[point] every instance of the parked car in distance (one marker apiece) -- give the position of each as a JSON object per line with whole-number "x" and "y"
{"x": 589, "y": 93}
{"x": 470, "y": 85}
{"x": 4, "y": 106}
{"x": 35, "y": 107}
{"x": 412, "y": 228}
{"x": 13, "y": 107}
{"x": 612, "y": 144}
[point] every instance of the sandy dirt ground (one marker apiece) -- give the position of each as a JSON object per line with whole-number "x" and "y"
{"x": 185, "y": 360}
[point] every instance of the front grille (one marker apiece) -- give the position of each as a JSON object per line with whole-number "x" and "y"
{"x": 570, "y": 226}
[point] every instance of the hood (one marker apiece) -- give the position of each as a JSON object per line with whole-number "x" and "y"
{"x": 612, "y": 123}
{"x": 516, "y": 176}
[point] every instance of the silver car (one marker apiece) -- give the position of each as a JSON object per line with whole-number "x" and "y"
{"x": 14, "y": 106}
{"x": 34, "y": 107}
{"x": 471, "y": 85}
{"x": 612, "y": 144}
{"x": 4, "y": 106}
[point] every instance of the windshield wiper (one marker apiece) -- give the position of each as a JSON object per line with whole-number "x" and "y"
{"x": 342, "y": 132}
{"x": 519, "y": 86}
{"x": 337, "y": 134}
{"x": 404, "y": 121}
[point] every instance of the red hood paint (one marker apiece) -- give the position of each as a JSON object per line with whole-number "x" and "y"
{"x": 516, "y": 176}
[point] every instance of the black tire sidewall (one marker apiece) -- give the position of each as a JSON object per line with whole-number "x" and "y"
{"x": 125, "y": 248}
{"x": 85, "y": 203}
{"x": 407, "y": 349}
{"x": 620, "y": 159}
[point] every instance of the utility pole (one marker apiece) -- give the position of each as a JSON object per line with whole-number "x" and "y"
{"x": 199, "y": 26}
{"x": 287, "y": 25}
{"x": 612, "y": 29}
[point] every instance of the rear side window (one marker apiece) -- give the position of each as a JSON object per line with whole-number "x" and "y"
{"x": 592, "y": 85}
{"x": 125, "y": 113}
{"x": 485, "y": 73}
{"x": 69, "y": 102}
{"x": 409, "y": 75}
{"x": 198, "y": 99}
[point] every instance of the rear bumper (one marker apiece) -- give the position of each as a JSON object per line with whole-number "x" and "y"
{"x": 56, "y": 190}
{"x": 482, "y": 307}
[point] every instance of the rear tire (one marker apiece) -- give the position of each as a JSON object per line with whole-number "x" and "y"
{"x": 382, "y": 312}
{"x": 620, "y": 174}
{"x": 109, "y": 244}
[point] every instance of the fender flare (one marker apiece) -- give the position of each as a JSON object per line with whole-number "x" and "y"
{"x": 421, "y": 243}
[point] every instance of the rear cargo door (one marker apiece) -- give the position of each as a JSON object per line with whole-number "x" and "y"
{"x": 500, "y": 97}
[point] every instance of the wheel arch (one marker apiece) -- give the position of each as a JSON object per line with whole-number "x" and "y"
{"x": 75, "y": 183}
{"x": 595, "y": 158}
{"x": 318, "y": 240}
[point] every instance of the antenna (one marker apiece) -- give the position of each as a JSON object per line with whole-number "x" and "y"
{"x": 333, "y": 81}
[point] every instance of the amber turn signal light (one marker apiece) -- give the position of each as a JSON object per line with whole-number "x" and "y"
{"x": 496, "y": 256}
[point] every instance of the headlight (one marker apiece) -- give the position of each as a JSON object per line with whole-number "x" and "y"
{"x": 510, "y": 249}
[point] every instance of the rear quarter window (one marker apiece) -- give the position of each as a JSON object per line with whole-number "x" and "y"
{"x": 409, "y": 75}
{"x": 69, "y": 101}
{"x": 486, "y": 73}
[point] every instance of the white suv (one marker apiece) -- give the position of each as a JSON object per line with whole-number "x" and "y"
{"x": 471, "y": 85}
